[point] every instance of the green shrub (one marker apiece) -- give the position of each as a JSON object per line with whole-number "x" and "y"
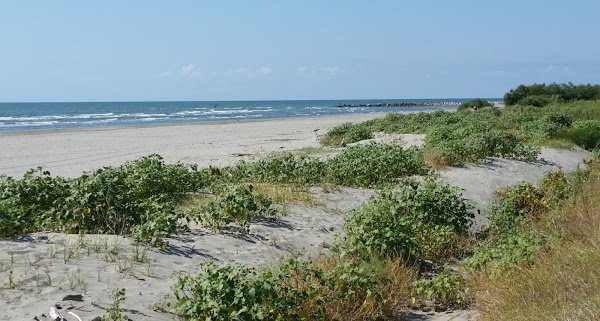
{"x": 474, "y": 104}
{"x": 374, "y": 164}
{"x": 517, "y": 203}
{"x": 137, "y": 198}
{"x": 391, "y": 123}
{"x": 280, "y": 168}
{"x": 542, "y": 94}
{"x": 469, "y": 137}
{"x": 30, "y": 204}
{"x": 411, "y": 220}
{"x": 525, "y": 202}
{"x": 115, "y": 311}
{"x": 447, "y": 290}
{"x": 509, "y": 236}
{"x": 584, "y": 133}
{"x": 237, "y": 204}
{"x": 346, "y": 133}
{"x": 232, "y": 292}
{"x": 358, "y": 166}
{"x": 517, "y": 247}
{"x": 545, "y": 126}
{"x": 579, "y": 110}
{"x": 537, "y": 100}
{"x": 294, "y": 290}
{"x": 475, "y": 141}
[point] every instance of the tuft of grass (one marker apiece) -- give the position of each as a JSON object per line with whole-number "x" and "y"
{"x": 115, "y": 311}
{"x": 76, "y": 280}
{"x": 317, "y": 151}
{"x": 285, "y": 193}
{"x": 436, "y": 159}
{"x": 557, "y": 142}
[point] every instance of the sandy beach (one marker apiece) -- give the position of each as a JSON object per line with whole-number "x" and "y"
{"x": 45, "y": 267}
{"x": 69, "y": 152}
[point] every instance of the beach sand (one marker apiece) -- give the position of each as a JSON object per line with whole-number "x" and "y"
{"x": 45, "y": 267}
{"x": 70, "y": 152}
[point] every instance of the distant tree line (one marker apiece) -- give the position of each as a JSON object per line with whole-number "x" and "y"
{"x": 544, "y": 94}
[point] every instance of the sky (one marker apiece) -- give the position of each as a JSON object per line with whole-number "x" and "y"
{"x": 311, "y": 49}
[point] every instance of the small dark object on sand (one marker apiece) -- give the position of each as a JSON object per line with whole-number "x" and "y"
{"x": 73, "y": 297}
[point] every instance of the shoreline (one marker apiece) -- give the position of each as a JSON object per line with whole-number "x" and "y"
{"x": 30, "y": 131}
{"x": 70, "y": 152}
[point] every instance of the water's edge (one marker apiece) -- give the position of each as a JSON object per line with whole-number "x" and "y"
{"x": 36, "y": 116}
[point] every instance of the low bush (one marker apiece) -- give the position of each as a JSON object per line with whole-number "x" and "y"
{"x": 391, "y": 123}
{"x": 509, "y": 236}
{"x": 357, "y": 166}
{"x": 369, "y": 165}
{"x": 234, "y": 292}
{"x": 238, "y": 203}
{"x": 518, "y": 203}
{"x": 471, "y": 143}
{"x": 545, "y": 126}
{"x": 30, "y": 203}
{"x": 325, "y": 289}
{"x": 526, "y": 202}
{"x": 474, "y": 104}
{"x": 505, "y": 252}
{"x": 137, "y": 198}
{"x": 280, "y": 168}
{"x": 584, "y": 133}
{"x": 412, "y": 220}
{"x": 345, "y": 134}
{"x": 446, "y": 290}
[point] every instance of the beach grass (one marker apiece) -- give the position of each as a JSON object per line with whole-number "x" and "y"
{"x": 559, "y": 280}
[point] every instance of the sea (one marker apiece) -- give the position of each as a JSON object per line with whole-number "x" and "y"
{"x": 54, "y": 115}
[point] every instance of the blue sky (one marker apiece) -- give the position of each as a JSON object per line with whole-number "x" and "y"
{"x": 253, "y": 50}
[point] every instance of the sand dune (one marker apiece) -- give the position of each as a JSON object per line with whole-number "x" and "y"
{"x": 45, "y": 267}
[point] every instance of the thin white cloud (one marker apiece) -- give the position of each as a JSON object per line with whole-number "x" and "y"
{"x": 250, "y": 72}
{"x": 193, "y": 71}
{"x": 264, "y": 70}
{"x": 188, "y": 71}
{"x": 330, "y": 70}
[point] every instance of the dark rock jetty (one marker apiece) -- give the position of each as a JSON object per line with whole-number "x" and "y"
{"x": 403, "y": 104}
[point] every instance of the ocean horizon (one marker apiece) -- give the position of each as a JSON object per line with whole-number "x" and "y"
{"x": 55, "y": 115}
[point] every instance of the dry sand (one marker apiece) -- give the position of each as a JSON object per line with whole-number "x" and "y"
{"x": 70, "y": 152}
{"x": 47, "y": 266}
{"x": 480, "y": 182}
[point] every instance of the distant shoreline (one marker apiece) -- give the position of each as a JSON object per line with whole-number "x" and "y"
{"x": 18, "y": 132}
{"x": 403, "y": 104}
{"x": 33, "y": 130}
{"x": 43, "y": 116}
{"x": 71, "y": 151}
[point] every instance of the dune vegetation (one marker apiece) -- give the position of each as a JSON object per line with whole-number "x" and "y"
{"x": 469, "y": 136}
{"x": 409, "y": 247}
